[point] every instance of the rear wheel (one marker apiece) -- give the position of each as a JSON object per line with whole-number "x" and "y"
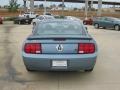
{"x": 84, "y": 23}
{"x": 96, "y": 26}
{"x": 34, "y": 24}
{"x": 29, "y": 22}
{"x": 104, "y": 27}
{"x": 117, "y": 27}
{"x": 28, "y": 69}
{"x": 89, "y": 70}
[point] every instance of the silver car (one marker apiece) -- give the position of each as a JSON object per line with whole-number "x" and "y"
{"x": 41, "y": 18}
{"x": 59, "y": 45}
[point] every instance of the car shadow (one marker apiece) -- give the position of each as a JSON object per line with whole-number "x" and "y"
{"x": 38, "y": 76}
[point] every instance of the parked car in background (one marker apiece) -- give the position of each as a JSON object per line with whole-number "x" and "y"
{"x": 72, "y": 18}
{"x": 41, "y": 18}
{"x": 22, "y": 20}
{"x": 88, "y": 21}
{"x": 107, "y": 22}
{"x": 28, "y": 15}
{"x": 59, "y": 45}
{"x": 1, "y": 20}
{"x": 47, "y": 13}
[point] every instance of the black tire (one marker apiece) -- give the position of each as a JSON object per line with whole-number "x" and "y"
{"x": 104, "y": 27}
{"x": 29, "y": 22}
{"x": 117, "y": 27}
{"x": 89, "y": 70}
{"x": 34, "y": 24}
{"x": 28, "y": 69}
{"x": 96, "y": 25}
{"x": 84, "y": 23}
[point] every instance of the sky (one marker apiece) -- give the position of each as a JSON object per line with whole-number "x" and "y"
{"x": 6, "y": 2}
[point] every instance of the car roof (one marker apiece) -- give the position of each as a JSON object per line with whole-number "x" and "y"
{"x": 45, "y": 15}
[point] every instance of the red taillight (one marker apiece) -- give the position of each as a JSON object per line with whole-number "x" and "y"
{"x": 33, "y": 48}
{"x": 86, "y": 48}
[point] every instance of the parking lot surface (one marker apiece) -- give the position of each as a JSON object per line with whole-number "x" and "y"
{"x": 13, "y": 75}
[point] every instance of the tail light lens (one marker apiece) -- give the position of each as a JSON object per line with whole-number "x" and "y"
{"x": 33, "y": 48}
{"x": 86, "y": 48}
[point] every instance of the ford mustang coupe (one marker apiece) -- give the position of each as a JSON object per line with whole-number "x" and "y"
{"x": 59, "y": 45}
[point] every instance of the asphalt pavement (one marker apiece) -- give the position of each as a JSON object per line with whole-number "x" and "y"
{"x": 14, "y": 76}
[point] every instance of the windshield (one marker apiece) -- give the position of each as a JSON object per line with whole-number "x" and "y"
{"x": 60, "y": 28}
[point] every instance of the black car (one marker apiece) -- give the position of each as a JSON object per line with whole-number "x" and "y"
{"x": 22, "y": 20}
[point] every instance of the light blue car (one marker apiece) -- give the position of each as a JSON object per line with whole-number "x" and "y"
{"x": 107, "y": 22}
{"x": 59, "y": 45}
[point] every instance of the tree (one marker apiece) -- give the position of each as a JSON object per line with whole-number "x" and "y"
{"x": 13, "y": 6}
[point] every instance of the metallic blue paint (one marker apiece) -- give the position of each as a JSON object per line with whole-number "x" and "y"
{"x": 75, "y": 61}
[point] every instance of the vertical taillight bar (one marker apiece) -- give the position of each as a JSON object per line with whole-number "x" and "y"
{"x": 32, "y": 48}
{"x": 86, "y": 48}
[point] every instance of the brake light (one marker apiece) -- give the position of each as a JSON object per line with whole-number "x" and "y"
{"x": 33, "y": 48}
{"x": 86, "y": 48}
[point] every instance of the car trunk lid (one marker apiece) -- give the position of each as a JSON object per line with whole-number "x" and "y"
{"x": 59, "y": 44}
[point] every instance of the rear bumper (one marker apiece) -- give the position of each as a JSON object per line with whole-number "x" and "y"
{"x": 74, "y": 62}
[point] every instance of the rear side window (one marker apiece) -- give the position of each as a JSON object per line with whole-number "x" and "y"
{"x": 60, "y": 28}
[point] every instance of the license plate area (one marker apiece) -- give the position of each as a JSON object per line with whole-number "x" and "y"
{"x": 59, "y": 63}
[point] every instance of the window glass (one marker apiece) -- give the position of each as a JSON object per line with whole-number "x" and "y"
{"x": 60, "y": 28}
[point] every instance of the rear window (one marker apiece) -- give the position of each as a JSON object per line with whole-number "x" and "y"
{"x": 60, "y": 28}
